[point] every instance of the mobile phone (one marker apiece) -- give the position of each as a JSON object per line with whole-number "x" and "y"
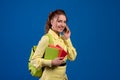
{"x": 66, "y": 29}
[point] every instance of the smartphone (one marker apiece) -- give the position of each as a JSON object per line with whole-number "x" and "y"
{"x": 66, "y": 29}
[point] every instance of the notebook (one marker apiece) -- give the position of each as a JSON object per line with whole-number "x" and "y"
{"x": 53, "y": 52}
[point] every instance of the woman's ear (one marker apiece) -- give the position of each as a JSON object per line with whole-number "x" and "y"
{"x": 51, "y": 22}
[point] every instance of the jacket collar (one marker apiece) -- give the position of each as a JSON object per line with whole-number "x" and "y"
{"x": 55, "y": 36}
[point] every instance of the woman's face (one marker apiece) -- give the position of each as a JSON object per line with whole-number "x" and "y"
{"x": 58, "y": 23}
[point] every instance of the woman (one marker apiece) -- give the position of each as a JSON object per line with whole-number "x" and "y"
{"x": 55, "y": 69}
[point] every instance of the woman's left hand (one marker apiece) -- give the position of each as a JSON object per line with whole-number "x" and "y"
{"x": 67, "y": 33}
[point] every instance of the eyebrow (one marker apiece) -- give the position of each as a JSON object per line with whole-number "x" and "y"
{"x": 58, "y": 19}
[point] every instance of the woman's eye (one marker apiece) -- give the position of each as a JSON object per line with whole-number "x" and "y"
{"x": 64, "y": 21}
{"x": 59, "y": 21}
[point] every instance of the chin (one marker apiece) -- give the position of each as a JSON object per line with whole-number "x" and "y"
{"x": 60, "y": 31}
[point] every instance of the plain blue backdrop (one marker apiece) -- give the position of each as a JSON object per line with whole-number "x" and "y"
{"x": 95, "y": 27}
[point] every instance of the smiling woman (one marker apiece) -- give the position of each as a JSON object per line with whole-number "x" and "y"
{"x": 54, "y": 69}
{"x": 58, "y": 23}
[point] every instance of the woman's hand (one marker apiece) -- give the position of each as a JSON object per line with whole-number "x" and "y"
{"x": 58, "y": 61}
{"x": 66, "y": 33}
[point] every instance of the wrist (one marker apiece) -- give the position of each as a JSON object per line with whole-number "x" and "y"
{"x": 65, "y": 38}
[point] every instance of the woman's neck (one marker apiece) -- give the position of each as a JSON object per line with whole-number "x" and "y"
{"x": 58, "y": 33}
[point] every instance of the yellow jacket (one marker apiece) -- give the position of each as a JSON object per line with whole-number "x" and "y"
{"x": 53, "y": 73}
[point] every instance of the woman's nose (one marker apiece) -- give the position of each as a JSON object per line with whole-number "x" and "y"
{"x": 63, "y": 24}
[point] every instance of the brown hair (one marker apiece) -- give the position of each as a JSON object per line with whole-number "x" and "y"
{"x": 51, "y": 16}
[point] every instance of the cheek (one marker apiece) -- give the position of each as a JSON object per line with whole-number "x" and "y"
{"x": 57, "y": 25}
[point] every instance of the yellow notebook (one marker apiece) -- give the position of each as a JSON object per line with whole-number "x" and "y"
{"x": 51, "y": 53}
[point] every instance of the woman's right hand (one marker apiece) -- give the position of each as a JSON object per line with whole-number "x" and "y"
{"x": 57, "y": 61}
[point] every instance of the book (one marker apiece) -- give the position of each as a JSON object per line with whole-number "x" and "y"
{"x": 62, "y": 52}
{"x": 53, "y": 52}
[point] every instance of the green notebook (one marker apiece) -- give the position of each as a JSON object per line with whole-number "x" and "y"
{"x": 51, "y": 53}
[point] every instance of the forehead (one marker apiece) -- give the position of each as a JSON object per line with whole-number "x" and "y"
{"x": 60, "y": 17}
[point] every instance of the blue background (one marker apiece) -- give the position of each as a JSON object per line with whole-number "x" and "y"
{"x": 95, "y": 27}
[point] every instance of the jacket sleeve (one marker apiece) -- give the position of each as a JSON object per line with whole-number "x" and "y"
{"x": 37, "y": 59}
{"x": 70, "y": 49}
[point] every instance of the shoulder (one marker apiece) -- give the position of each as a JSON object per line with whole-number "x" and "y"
{"x": 45, "y": 37}
{"x": 44, "y": 40}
